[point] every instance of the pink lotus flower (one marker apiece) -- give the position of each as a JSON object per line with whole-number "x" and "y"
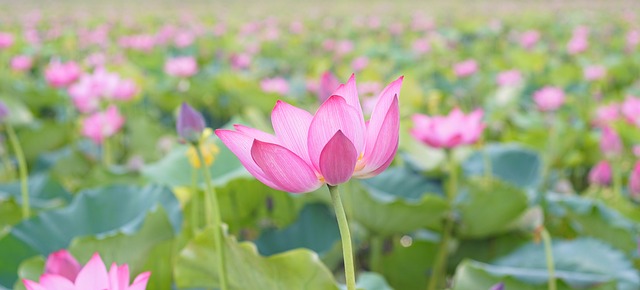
{"x": 184, "y": 66}
{"x": 634, "y": 181}
{"x": 594, "y": 72}
{"x": 60, "y": 75}
{"x": 62, "y": 263}
{"x": 276, "y": 85}
{"x": 610, "y": 142}
{"x": 328, "y": 84}
{"x": 577, "y": 44}
{"x": 600, "y": 174}
{"x": 329, "y": 147}
{"x": 606, "y": 114}
{"x": 102, "y": 125}
{"x": 240, "y": 61}
{"x": 465, "y": 68}
{"x": 21, "y": 63}
{"x": 448, "y": 131}
{"x": 631, "y": 110}
{"x": 529, "y": 38}
{"x": 549, "y": 98}
{"x": 6, "y": 40}
{"x": 509, "y": 78}
{"x": 93, "y": 276}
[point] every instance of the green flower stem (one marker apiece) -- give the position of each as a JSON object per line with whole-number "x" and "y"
{"x": 488, "y": 169}
{"x": 547, "y": 158}
{"x": 194, "y": 201}
{"x": 343, "y": 225}
{"x": 212, "y": 215}
{"x": 440, "y": 264}
{"x": 546, "y": 239}
{"x": 106, "y": 153}
{"x": 617, "y": 178}
{"x": 375, "y": 247}
{"x": 22, "y": 168}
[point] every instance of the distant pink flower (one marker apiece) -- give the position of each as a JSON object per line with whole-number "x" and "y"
{"x": 6, "y": 40}
{"x": 359, "y": 63}
{"x": 421, "y": 46}
{"x": 600, "y": 174}
{"x": 240, "y": 61}
{"x": 636, "y": 150}
{"x": 509, "y": 78}
{"x": 296, "y": 27}
{"x": 449, "y": 131}
{"x": 276, "y": 85}
{"x": 330, "y": 147}
{"x": 594, "y": 72}
{"x": 633, "y": 39}
{"x": 549, "y": 98}
{"x": 102, "y": 125}
{"x": 62, "y": 263}
{"x": 124, "y": 90}
{"x": 605, "y": 114}
{"x": 343, "y": 47}
{"x": 631, "y": 110}
{"x": 396, "y": 28}
{"x": 610, "y": 142}
{"x": 184, "y": 39}
{"x": 92, "y": 276}
{"x": 578, "y": 43}
{"x": 141, "y": 42}
{"x": 184, "y": 66}
{"x": 465, "y": 68}
{"x": 328, "y": 84}
{"x": 60, "y": 75}
{"x": 634, "y": 181}
{"x": 21, "y": 63}
{"x": 529, "y": 38}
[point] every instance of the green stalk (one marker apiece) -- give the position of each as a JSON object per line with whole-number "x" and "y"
{"x": 345, "y": 236}
{"x": 106, "y": 153}
{"x": 212, "y": 214}
{"x": 194, "y": 200}
{"x": 440, "y": 264}
{"x": 617, "y": 178}
{"x": 22, "y": 168}
{"x": 376, "y": 245}
{"x": 546, "y": 239}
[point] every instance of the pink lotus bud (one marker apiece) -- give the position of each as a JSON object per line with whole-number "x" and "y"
{"x": 600, "y": 174}
{"x": 190, "y": 123}
{"x": 102, "y": 125}
{"x": 634, "y": 181}
{"x": 184, "y": 66}
{"x": 509, "y": 78}
{"x": 6, "y": 40}
{"x": 499, "y": 286}
{"x": 594, "y": 72}
{"x": 21, "y": 63}
{"x": 529, "y": 38}
{"x": 276, "y": 85}
{"x": 60, "y": 75}
{"x": 465, "y": 68}
{"x": 450, "y": 131}
{"x": 610, "y": 142}
{"x": 328, "y": 84}
{"x": 631, "y": 110}
{"x": 62, "y": 263}
{"x": 549, "y": 98}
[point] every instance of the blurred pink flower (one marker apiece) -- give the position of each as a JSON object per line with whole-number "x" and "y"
{"x": 359, "y": 63}
{"x": 509, "y": 78}
{"x": 636, "y": 150}
{"x": 330, "y": 147}
{"x": 240, "y": 61}
{"x": 329, "y": 83}
{"x": 60, "y": 75}
{"x": 633, "y": 39}
{"x": 600, "y": 174}
{"x": 343, "y": 47}
{"x": 610, "y": 142}
{"x": 184, "y": 66}
{"x": 102, "y": 125}
{"x": 92, "y": 276}
{"x": 296, "y": 27}
{"x": 529, "y": 38}
{"x": 124, "y": 90}
{"x": 631, "y": 110}
{"x": 6, "y": 40}
{"x": 605, "y": 114}
{"x": 449, "y": 131}
{"x": 465, "y": 68}
{"x": 62, "y": 263}
{"x": 634, "y": 181}
{"x": 594, "y": 72}
{"x": 421, "y": 46}
{"x": 549, "y": 98}
{"x": 184, "y": 39}
{"x": 21, "y": 63}
{"x": 276, "y": 85}
{"x": 579, "y": 42}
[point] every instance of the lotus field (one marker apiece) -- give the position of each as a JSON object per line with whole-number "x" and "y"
{"x": 377, "y": 148}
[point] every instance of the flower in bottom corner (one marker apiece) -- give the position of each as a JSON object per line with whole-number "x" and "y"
{"x": 62, "y": 271}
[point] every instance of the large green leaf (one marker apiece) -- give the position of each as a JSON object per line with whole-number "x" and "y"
{"x": 44, "y": 192}
{"x": 508, "y": 162}
{"x": 316, "y": 229}
{"x": 488, "y": 206}
{"x": 397, "y": 201}
{"x": 98, "y": 212}
{"x": 408, "y": 266}
{"x": 246, "y": 269}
